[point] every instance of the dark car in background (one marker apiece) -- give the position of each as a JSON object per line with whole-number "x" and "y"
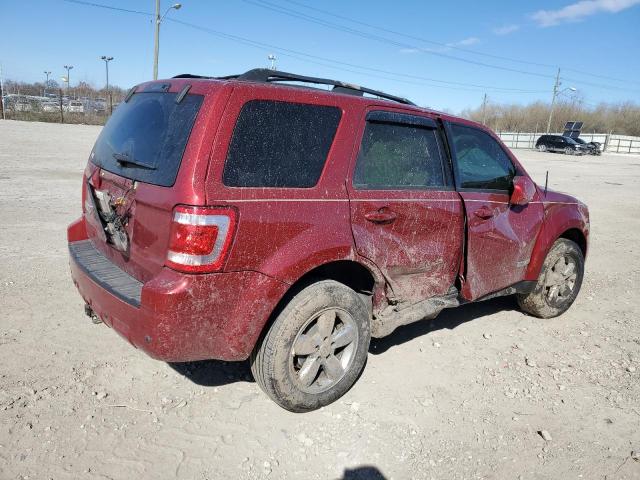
{"x": 558, "y": 143}
{"x": 594, "y": 148}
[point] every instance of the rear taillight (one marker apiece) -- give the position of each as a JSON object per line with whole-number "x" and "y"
{"x": 200, "y": 238}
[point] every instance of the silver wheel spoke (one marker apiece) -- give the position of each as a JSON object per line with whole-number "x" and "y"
{"x": 343, "y": 337}
{"x": 309, "y": 370}
{"x": 306, "y": 344}
{"x": 569, "y": 270}
{"x": 553, "y": 292}
{"x": 326, "y": 321}
{"x": 332, "y": 367}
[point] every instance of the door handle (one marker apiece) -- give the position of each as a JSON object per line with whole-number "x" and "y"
{"x": 484, "y": 212}
{"x": 382, "y": 216}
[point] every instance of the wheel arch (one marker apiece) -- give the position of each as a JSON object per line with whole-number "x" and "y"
{"x": 563, "y": 223}
{"x": 351, "y": 273}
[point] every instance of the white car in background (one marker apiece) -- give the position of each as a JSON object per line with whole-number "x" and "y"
{"x": 50, "y": 107}
{"x": 75, "y": 106}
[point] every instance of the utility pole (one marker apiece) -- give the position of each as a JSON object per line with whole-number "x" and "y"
{"x": 46, "y": 83}
{"x": 156, "y": 43}
{"x": 556, "y": 88}
{"x": 484, "y": 108}
{"x": 106, "y": 64}
{"x": 68, "y": 68}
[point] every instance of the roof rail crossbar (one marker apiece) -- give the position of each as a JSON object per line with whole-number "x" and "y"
{"x": 266, "y": 75}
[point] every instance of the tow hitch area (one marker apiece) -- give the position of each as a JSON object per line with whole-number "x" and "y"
{"x": 91, "y": 314}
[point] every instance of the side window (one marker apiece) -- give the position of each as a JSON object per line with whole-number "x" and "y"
{"x": 280, "y": 144}
{"x": 481, "y": 161}
{"x": 397, "y": 156}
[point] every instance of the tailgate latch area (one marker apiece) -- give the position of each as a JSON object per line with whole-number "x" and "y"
{"x": 113, "y": 223}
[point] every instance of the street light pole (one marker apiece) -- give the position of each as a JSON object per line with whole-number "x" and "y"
{"x": 156, "y": 46}
{"x": 68, "y": 68}
{"x": 46, "y": 83}
{"x": 106, "y": 64}
{"x": 272, "y": 59}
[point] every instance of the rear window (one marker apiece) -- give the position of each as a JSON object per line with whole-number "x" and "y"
{"x": 280, "y": 144}
{"x": 145, "y": 137}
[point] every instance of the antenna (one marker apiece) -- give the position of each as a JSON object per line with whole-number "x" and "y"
{"x": 546, "y": 183}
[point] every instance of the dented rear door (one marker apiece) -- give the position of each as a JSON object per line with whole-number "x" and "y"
{"x": 405, "y": 215}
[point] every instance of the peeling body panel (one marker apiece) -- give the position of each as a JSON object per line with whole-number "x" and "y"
{"x": 500, "y": 241}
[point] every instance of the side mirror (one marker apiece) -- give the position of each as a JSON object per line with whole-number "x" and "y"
{"x": 523, "y": 190}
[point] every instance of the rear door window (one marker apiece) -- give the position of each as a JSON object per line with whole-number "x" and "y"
{"x": 399, "y": 156}
{"x": 481, "y": 162}
{"x": 280, "y": 144}
{"x": 145, "y": 137}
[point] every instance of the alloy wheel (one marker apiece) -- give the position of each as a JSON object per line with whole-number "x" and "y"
{"x": 560, "y": 280}
{"x": 323, "y": 350}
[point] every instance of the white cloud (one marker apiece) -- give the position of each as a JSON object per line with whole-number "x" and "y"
{"x": 465, "y": 43}
{"x": 408, "y": 51}
{"x": 506, "y": 30}
{"x": 580, "y": 10}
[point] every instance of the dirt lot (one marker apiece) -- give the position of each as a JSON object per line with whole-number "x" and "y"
{"x": 461, "y": 397}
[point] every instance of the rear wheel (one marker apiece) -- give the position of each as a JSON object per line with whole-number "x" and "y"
{"x": 559, "y": 281}
{"x": 316, "y": 348}
{"x": 542, "y": 148}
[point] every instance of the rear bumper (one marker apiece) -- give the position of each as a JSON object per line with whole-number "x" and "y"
{"x": 182, "y": 317}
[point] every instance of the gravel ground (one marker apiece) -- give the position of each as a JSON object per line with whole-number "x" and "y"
{"x": 481, "y": 392}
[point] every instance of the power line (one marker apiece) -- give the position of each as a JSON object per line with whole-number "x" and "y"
{"x": 352, "y": 65}
{"x": 360, "y": 33}
{"x": 414, "y": 37}
{"x": 109, "y": 7}
{"x": 317, "y": 59}
{"x": 296, "y": 14}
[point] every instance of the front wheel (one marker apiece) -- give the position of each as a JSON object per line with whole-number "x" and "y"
{"x": 315, "y": 349}
{"x": 568, "y": 151}
{"x": 559, "y": 281}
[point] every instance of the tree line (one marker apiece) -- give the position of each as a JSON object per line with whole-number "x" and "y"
{"x": 618, "y": 118}
{"x": 80, "y": 90}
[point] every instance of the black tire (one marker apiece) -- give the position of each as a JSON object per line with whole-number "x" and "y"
{"x": 274, "y": 361}
{"x": 542, "y": 302}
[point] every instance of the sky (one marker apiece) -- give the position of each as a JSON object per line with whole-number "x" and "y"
{"x": 444, "y": 55}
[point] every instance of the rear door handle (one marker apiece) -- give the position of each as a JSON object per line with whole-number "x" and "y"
{"x": 382, "y": 216}
{"x": 484, "y": 212}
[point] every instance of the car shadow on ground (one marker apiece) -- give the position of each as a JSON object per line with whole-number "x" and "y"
{"x": 214, "y": 373}
{"x": 365, "y": 472}
{"x": 448, "y": 319}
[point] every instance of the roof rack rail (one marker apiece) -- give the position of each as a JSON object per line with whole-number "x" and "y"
{"x": 266, "y": 75}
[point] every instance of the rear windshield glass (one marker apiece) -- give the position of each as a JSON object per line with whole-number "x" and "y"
{"x": 280, "y": 144}
{"x": 145, "y": 137}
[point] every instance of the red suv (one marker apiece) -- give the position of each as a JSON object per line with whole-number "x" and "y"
{"x": 252, "y": 217}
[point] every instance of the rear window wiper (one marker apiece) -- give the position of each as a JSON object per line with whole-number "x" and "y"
{"x": 125, "y": 160}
